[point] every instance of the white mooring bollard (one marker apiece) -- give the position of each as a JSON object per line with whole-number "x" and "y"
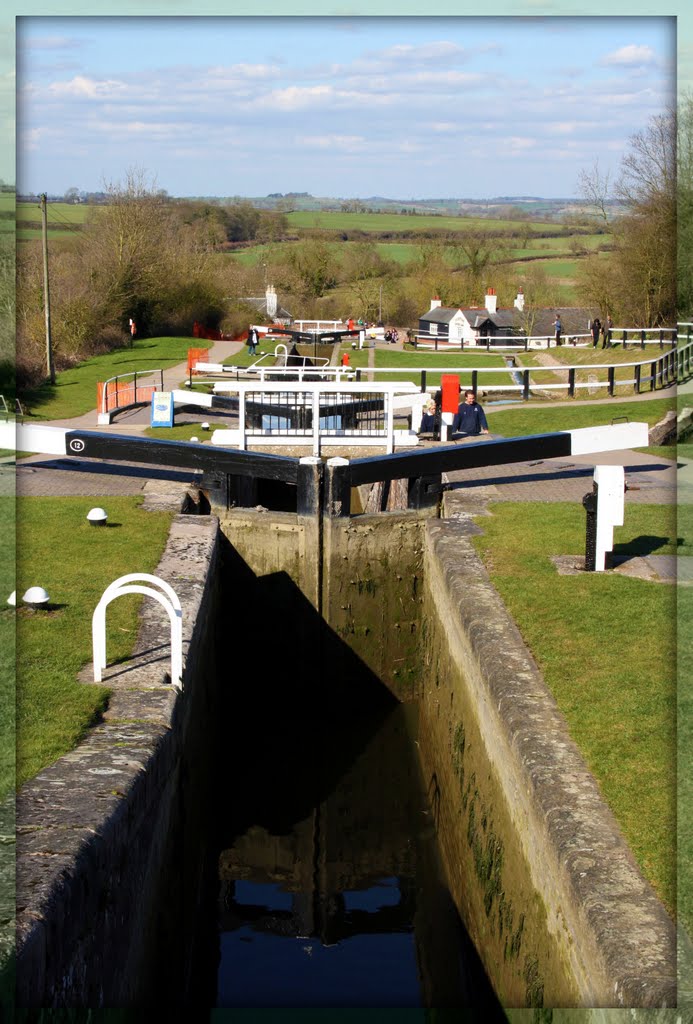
{"x": 169, "y": 600}
{"x": 605, "y": 508}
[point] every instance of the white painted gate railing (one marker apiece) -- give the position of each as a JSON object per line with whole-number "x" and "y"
{"x": 169, "y": 600}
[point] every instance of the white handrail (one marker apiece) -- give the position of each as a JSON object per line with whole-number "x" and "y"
{"x": 169, "y": 600}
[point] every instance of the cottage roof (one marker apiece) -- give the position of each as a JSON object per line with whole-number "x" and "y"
{"x": 505, "y": 319}
{"x": 441, "y": 314}
{"x": 574, "y": 319}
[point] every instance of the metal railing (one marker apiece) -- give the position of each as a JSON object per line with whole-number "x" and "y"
{"x": 636, "y": 336}
{"x": 127, "y": 389}
{"x": 645, "y": 375}
{"x": 317, "y": 414}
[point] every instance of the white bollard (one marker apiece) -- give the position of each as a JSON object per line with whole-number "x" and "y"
{"x": 610, "y": 481}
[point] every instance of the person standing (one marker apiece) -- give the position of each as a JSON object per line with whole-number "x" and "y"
{"x": 470, "y": 419}
{"x": 558, "y": 327}
{"x": 252, "y": 340}
{"x": 595, "y": 328}
{"x": 428, "y": 420}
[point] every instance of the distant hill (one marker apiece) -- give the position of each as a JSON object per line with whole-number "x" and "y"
{"x": 497, "y": 206}
{"x": 511, "y": 207}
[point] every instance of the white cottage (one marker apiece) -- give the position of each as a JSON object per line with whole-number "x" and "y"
{"x": 466, "y": 324}
{"x": 455, "y": 325}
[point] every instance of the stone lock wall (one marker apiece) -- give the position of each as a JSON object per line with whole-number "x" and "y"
{"x": 547, "y": 887}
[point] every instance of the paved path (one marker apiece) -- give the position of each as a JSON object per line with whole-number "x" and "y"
{"x": 649, "y": 480}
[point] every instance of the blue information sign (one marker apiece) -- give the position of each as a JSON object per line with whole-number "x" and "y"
{"x": 162, "y": 409}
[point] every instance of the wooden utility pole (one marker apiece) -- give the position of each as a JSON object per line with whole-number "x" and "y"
{"x": 46, "y": 294}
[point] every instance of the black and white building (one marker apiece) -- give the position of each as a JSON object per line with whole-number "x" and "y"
{"x": 479, "y": 325}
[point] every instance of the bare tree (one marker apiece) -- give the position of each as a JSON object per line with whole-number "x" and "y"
{"x": 638, "y": 282}
{"x": 480, "y": 249}
{"x": 685, "y": 207}
{"x": 595, "y": 188}
{"x": 648, "y": 169}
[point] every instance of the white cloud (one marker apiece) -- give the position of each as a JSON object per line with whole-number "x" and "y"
{"x": 87, "y": 88}
{"x": 630, "y": 56}
{"x": 441, "y": 50}
{"x": 342, "y": 143}
{"x": 562, "y": 128}
{"x": 296, "y": 97}
{"x": 521, "y": 143}
{"x": 244, "y": 72}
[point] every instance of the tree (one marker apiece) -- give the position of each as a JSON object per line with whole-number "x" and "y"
{"x": 241, "y": 221}
{"x": 685, "y": 207}
{"x": 595, "y": 188}
{"x": 480, "y": 249}
{"x": 638, "y": 284}
{"x": 314, "y": 268}
{"x": 140, "y": 256}
{"x": 648, "y": 169}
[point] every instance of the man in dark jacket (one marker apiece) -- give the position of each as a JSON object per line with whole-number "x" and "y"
{"x": 470, "y": 417}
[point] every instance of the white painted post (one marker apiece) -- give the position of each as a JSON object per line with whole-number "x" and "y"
{"x": 316, "y": 423}
{"x": 242, "y": 443}
{"x": 389, "y": 422}
{"x": 610, "y": 481}
{"x": 169, "y": 600}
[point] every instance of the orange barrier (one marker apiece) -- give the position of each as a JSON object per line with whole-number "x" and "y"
{"x": 116, "y": 394}
{"x": 197, "y": 355}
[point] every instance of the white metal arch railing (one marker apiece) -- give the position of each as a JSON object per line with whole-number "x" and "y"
{"x": 169, "y": 600}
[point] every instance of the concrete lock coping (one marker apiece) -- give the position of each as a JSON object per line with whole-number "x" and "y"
{"x": 168, "y": 599}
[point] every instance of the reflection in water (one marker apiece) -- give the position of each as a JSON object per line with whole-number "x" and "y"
{"x": 262, "y": 940}
{"x": 330, "y": 891}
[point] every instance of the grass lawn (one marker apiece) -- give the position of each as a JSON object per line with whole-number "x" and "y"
{"x": 516, "y": 421}
{"x": 462, "y": 361}
{"x": 74, "y": 561}
{"x": 183, "y": 431}
{"x": 7, "y": 646}
{"x": 74, "y": 392}
{"x": 685, "y": 752}
{"x": 541, "y": 418}
{"x": 606, "y": 645}
{"x": 685, "y": 715}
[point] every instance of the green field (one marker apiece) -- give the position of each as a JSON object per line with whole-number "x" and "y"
{"x": 379, "y": 222}
{"x": 73, "y": 214}
{"x": 7, "y": 215}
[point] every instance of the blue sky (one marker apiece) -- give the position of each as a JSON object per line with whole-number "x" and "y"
{"x": 400, "y": 107}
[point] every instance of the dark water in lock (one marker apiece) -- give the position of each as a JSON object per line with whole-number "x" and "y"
{"x": 330, "y": 890}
